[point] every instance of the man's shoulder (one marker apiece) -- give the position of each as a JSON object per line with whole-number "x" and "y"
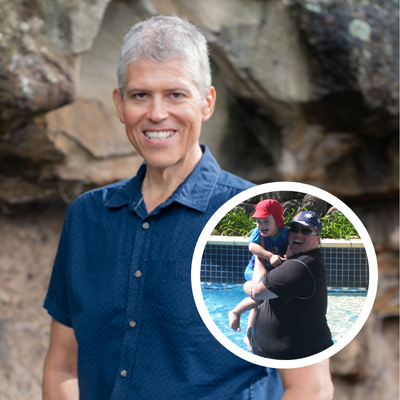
{"x": 100, "y": 196}
{"x": 222, "y": 182}
{"x": 310, "y": 256}
{"x": 230, "y": 180}
{"x": 227, "y": 186}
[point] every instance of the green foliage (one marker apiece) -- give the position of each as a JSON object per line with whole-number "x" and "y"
{"x": 337, "y": 226}
{"x": 237, "y": 223}
{"x": 289, "y": 215}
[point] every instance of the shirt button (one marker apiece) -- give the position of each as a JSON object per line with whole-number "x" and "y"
{"x": 132, "y": 324}
{"x": 138, "y": 274}
{"x": 146, "y": 225}
{"x": 124, "y": 373}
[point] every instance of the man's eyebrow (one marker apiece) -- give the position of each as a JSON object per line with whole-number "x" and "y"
{"x": 177, "y": 89}
{"x": 144, "y": 90}
{"x": 137, "y": 90}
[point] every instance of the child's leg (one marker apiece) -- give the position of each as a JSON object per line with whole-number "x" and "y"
{"x": 247, "y": 338}
{"x": 234, "y": 321}
{"x": 246, "y": 304}
{"x": 247, "y": 287}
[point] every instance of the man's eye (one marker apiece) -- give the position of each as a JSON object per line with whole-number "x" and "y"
{"x": 139, "y": 96}
{"x": 176, "y": 96}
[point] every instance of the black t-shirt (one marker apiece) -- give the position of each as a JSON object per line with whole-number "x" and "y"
{"x": 294, "y": 324}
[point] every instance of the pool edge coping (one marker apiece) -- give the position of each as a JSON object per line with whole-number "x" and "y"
{"x": 244, "y": 241}
{"x": 332, "y": 290}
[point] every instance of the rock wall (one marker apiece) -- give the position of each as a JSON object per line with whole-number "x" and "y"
{"x": 307, "y": 91}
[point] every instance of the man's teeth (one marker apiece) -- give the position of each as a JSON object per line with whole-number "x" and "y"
{"x": 158, "y": 135}
{"x": 297, "y": 242}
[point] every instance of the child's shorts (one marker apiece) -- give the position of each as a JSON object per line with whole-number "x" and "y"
{"x": 248, "y": 273}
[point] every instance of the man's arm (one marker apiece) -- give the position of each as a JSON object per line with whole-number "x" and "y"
{"x": 259, "y": 291}
{"x": 60, "y": 380}
{"x": 307, "y": 383}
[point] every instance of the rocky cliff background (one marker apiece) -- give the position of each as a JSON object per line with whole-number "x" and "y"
{"x": 307, "y": 91}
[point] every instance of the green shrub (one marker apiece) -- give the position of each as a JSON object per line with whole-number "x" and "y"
{"x": 337, "y": 226}
{"x": 237, "y": 223}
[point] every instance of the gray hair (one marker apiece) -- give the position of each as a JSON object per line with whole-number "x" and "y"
{"x": 163, "y": 38}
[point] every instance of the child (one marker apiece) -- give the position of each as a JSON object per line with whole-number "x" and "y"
{"x": 268, "y": 241}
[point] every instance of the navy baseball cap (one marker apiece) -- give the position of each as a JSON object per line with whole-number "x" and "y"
{"x": 307, "y": 218}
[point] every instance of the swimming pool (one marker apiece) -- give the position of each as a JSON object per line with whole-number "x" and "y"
{"x": 343, "y": 311}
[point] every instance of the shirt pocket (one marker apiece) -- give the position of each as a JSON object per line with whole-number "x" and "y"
{"x": 176, "y": 303}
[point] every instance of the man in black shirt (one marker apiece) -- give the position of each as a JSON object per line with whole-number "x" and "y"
{"x": 291, "y": 322}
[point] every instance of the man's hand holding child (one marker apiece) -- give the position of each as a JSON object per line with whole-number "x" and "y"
{"x": 289, "y": 253}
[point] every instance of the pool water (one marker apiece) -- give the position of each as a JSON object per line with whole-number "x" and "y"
{"x": 343, "y": 311}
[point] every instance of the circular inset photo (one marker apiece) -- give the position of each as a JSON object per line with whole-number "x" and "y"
{"x": 284, "y": 275}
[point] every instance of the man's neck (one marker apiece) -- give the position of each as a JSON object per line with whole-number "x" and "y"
{"x": 160, "y": 183}
{"x": 305, "y": 252}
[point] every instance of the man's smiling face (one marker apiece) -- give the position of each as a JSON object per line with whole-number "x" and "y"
{"x": 301, "y": 243}
{"x": 163, "y": 110}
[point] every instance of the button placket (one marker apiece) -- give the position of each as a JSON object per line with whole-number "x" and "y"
{"x": 139, "y": 259}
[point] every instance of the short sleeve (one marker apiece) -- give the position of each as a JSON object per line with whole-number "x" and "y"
{"x": 286, "y": 232}
{"x": 56, "y": 301}
{"x": 290, "y": 280}
{"x": 255, "y": 236}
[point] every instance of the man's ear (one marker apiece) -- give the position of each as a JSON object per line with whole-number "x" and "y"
{"x": 118, "y": 104}
{"x": 209, "y": 104}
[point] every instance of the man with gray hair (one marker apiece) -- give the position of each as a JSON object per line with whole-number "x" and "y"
{"x": 124, "y": 321}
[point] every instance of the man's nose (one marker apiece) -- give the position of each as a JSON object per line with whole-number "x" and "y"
{"x": 158, "y": 110}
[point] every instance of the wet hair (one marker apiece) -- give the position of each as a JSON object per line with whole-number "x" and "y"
{"x": 163, "y": 38}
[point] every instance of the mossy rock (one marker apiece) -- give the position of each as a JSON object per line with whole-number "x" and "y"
{"x": 290, "y": 205}
{"x": 282, "y": 196}
{"x": 312, "y": 203}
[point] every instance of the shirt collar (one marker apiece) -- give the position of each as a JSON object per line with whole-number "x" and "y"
{"x": 194, "y": 192}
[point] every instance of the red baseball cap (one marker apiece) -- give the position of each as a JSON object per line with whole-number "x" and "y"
{"x": 270, "y": 207}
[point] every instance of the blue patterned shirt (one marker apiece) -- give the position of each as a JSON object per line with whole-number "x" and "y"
{"x": 121, "y": 280}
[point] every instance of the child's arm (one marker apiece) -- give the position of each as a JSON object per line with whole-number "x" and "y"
{"x": 245, "y": 305}
{"x": 259, "y": 251}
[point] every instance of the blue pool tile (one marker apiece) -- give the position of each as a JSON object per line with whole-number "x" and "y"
{"x": 344, "y": 266}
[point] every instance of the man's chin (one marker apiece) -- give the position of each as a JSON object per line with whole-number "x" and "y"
{"x": 295, "y": 250}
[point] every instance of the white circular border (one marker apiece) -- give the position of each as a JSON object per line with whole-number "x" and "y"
{"x": 276, "y": 187}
